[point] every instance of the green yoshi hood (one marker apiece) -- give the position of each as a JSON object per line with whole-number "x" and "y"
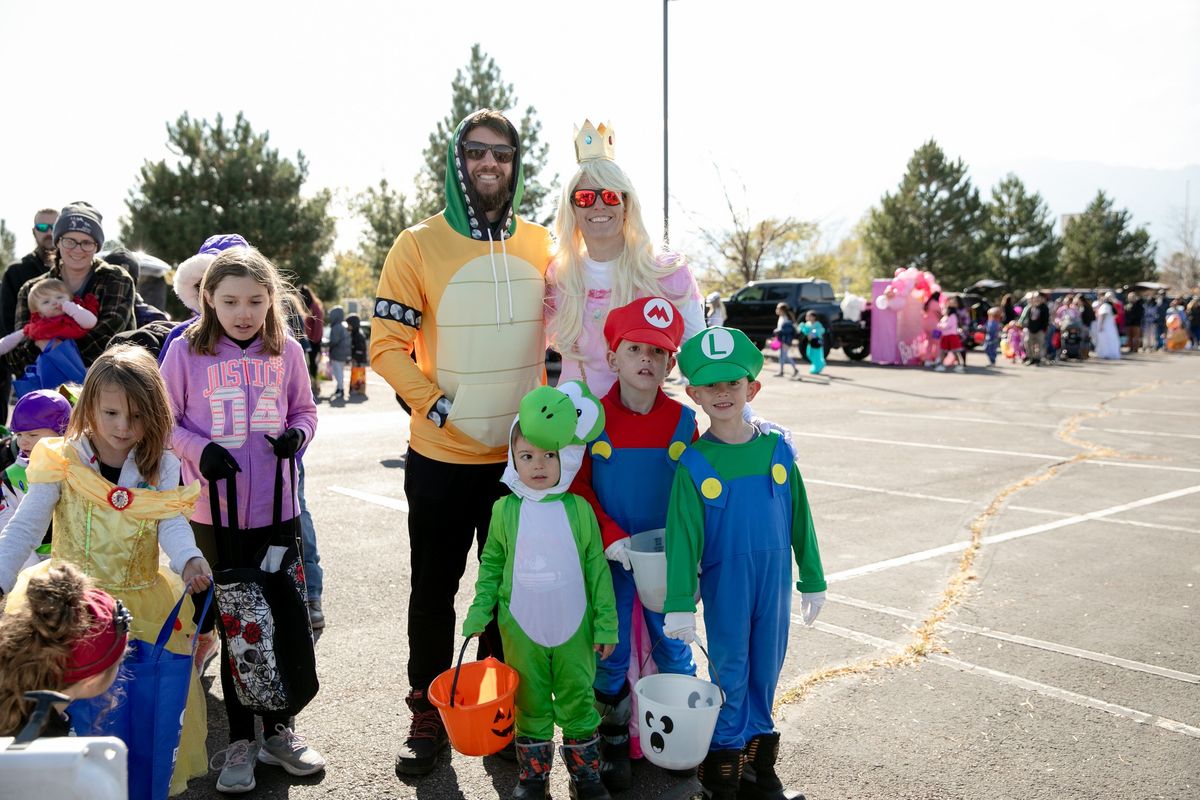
{"x": 464, "y": 211}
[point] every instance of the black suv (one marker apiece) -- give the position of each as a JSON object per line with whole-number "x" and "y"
{"x": 751, "y": 309}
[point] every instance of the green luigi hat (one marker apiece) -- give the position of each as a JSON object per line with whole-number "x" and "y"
{"x": 719, "y": 354}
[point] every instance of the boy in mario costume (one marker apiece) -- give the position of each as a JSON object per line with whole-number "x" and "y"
{"x": 627, "y": 478}
{"x": 738, "y": 509}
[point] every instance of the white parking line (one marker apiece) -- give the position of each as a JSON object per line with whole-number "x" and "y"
{"x": 1124, "y": 712}
{"x": 954, "y": 547}
{"x": 982, "y": 421}
{"x": 989, "y": 451}
{"x": 1054, "y": 647}
{"x": 378, "y": 499}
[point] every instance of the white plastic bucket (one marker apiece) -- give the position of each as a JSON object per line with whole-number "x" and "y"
{"x": 648, "y": 556}
{"x": 676, "y": 718}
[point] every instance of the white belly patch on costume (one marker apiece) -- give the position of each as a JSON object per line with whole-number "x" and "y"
{"x": 548, "y": 595}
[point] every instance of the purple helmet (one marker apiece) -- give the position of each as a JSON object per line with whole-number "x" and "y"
{"x": 43, "y": 408}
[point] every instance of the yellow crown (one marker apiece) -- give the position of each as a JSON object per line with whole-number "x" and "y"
{"x": 592, "y": 143}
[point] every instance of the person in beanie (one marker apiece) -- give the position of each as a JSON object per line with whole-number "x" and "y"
{"x": 38, "y": 415}
{"x": 188, "y": 276}
{"x": 78, "y": 236}
{"x": 738, "y": 512}
{"x": 33, "y": 265}
{"x": 143, "y": 312}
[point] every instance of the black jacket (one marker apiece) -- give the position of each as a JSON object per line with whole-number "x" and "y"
{"x": 31, "y": 266}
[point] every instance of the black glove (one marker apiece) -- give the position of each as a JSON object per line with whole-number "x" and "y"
{"x": 288, "y": 443}
{"x": 216, "y": 463}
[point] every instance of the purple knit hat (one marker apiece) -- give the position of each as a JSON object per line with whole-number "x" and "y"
{"x": 43, "y": 408}
{"x": 189, "y": 273}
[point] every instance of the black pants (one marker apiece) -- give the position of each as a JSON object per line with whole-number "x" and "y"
{"x": 5, "y": 392}
{"x": 450, "y": 506}
{"x": 241, "y": 550}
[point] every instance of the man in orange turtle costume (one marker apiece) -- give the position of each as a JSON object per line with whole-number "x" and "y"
{"x": 463, "y": 291}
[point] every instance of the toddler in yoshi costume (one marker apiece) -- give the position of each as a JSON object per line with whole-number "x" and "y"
{"x": 543, "y": 569}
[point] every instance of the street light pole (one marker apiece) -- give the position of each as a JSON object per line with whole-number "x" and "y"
{"x": 666, "y": 168}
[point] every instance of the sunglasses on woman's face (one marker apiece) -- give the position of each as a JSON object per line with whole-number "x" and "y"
{"x": 586, "y": 198}
{"x": 503, "y": 153}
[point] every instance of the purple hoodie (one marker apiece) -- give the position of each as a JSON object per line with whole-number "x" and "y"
{"x": 233, "y": 399}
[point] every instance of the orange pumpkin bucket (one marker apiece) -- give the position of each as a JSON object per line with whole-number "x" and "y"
{"x": 476, "y": 701}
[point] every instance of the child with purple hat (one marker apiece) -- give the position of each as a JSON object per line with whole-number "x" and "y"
{"x": 36, "y": 416}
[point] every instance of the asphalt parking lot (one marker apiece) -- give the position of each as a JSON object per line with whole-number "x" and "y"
{"x": 1013, "y": 557}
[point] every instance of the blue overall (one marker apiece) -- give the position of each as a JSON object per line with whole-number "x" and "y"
{"x": 633, "y": 485}
{"x": 746, "y": 585}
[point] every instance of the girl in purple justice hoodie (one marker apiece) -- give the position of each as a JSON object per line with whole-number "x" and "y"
{"x": 241, "y": 399}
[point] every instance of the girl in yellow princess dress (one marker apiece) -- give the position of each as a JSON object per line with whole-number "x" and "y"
{"x": 112, "y": 491}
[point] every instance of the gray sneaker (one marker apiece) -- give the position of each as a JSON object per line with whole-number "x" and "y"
{"x": 286, "y": 749}
{"x": 236, "y": 763}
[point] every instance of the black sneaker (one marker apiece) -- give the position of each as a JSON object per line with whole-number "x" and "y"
{"x": 426, "y": 737}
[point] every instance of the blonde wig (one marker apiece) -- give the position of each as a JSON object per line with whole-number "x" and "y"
{"x": 638, "y": 272}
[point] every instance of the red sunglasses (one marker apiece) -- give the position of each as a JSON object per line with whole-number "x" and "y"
{"x": 586, "y": 198}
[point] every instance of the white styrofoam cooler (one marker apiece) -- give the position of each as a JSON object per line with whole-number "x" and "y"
{"x": 65, "y": 768}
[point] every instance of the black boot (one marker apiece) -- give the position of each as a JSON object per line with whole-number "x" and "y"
{"x": 759, "y": 780}
{"x": 534, "y": 758}
{"x": 582, "y": 757}
{"x": 426, "y": 737}
{"x": 615, "y": 712}
{"x": 720, "y": 773}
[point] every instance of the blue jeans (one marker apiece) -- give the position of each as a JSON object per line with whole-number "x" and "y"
{"x": 671, "y": 655}
{"x": 314, "y": 576}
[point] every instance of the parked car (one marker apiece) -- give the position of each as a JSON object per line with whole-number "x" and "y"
{"x": 751, "y": 309}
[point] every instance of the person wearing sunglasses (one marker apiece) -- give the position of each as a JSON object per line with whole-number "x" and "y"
{"x": 463, "y": 291}
{"x": 34, "y": 265}
{"x": 78, "y": 236}
{"x": 606, "y": 260}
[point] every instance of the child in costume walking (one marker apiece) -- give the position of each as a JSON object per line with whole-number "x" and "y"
{"x": 626, "y": 477}
{"x": 241, "y": 400}
{"x": 112, "y": 490}
{"x": 991, "y": 334}
{"x": 739, "y": 512}
{"x": 358, "y": 356}
{"x": 814, "y": 342}
{"x": 785, "y": 333}
{"x": 68, "y": 637}
{"x": 38, "y": 415}
{"x": 543, "y": 571}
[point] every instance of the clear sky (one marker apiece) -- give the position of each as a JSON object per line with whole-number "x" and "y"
{"x": 812, "y": 107}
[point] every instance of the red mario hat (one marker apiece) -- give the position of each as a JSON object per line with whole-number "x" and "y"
{"x": 648, "y": 320}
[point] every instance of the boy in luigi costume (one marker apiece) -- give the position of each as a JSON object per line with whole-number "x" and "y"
{"x": 544, "y": 572}
{"x": 739, "y": 511}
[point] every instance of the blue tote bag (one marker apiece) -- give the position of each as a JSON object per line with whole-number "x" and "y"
{"x": 151, "y": 692}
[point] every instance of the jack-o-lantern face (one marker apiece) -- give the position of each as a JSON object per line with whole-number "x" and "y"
{"x": 502, "y": 725}
{"x": 658, "y": 741}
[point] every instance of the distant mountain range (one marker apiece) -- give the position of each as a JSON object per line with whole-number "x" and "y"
{"x": 1155, "y": 197}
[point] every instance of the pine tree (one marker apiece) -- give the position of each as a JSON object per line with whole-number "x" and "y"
{"x": 480, "y": 86}
{"x": 1020, "y": 247}
{"x": 228, "y": 180}
{"x": 931, "y": 222}
{"x": 1100, "y": 249}
{"x": 386, "y": 213}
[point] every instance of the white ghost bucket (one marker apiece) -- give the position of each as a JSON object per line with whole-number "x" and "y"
{"x": 676, "y": 718}
{"x": 648, "y": 557}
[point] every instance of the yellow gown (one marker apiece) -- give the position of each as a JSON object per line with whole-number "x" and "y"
{"x": 119, "y": 550}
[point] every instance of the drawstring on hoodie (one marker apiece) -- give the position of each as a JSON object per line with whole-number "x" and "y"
{"x": 496, "y": 277}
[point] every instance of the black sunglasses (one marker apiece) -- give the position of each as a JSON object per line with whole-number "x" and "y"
{"x": 43, "y": 227}
{"x": 503, "y": 153}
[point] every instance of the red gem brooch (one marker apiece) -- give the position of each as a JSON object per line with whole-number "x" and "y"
{"x": 120, "y": 498}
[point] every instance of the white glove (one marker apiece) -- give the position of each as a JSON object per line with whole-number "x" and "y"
{"x": 680, "y": 625}
{"x": 810, "y": 606}
{"x": 765, "y": 426}
{"x": 619, "y": 551}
